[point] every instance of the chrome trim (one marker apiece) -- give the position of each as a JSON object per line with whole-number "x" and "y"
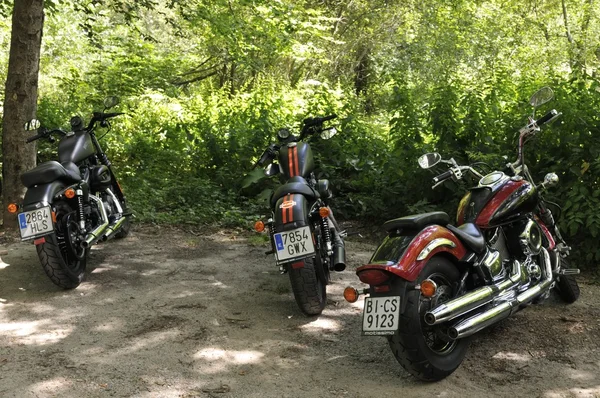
{"x": 480, "y": 321}
{"x": 117, "y": 203}
{"x": 95, "y": 234}
{"x": 434, "y": 244}
{"x": 472, "y": 300}
{"x": 114, "y": 227}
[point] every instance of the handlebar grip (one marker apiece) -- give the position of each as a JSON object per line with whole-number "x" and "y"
{"x": 546, "y": 117}
{"x": 31, "y": 139}
{"x": 316, "y": 121}
{"x": 443, "y": 176}
{"x": 113, "y": 114}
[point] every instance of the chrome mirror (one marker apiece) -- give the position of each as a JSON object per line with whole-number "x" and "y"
{"x": 31, "y": 125}
{"x": 429, "y": 160}
{"x": 327, "y": 134}
{"x": 550, "y": 179}
{"x": 541, "y": 96}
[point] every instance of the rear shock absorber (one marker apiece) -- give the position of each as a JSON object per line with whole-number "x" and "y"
{"x": 80, "y": 210}
{"x": 326, "y": 235}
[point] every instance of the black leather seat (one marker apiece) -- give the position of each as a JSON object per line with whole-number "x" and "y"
{"x": 294, "y": 185}
{"x": 470, "y": 235}
{"x": 51, "y": 171}
{"x": 418, "y": 221}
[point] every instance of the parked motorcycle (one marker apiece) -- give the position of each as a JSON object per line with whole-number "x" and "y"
{"x": 433, "y": 284}
{"x": 73, "y": 203}
{"x": 304, "y": 235}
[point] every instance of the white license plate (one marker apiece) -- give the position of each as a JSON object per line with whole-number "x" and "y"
{"x": 36, "y": 223}
{"x": 381, "y": 316}
{"x": 294, "y": 244}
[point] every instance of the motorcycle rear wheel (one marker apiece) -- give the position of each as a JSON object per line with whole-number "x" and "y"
{"x": 309, "y": 288}
{"x": 425, "y": 351}
{"x": 65, "y": 268}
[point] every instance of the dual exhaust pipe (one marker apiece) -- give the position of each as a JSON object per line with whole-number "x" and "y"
{"x": 105, "y": 229}
{"x": 485, "y": 295}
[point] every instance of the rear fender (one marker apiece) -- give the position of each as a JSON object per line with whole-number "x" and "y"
{"x": 406, "y": 256}
{"x": 291, "y": 212}
{"x": 42, "y": 194}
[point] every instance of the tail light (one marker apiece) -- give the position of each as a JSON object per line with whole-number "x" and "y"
{"x": 373, "y": 277}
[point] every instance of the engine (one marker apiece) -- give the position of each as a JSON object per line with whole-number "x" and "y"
{"x": 525, "y": 245}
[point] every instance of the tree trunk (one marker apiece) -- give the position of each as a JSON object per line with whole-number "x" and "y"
{"x": 20, "y": 101}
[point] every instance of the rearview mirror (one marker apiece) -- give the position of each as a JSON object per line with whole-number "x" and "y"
{"x": 32, "y": 125}
{"x": 429, "y": 160}
{"x": 541, "y": 96}
{"x": 111, "y": 101}
{"x": 327, "y": 134}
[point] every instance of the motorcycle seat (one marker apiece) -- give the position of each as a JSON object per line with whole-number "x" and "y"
{"x": 470, "y": 235}
{"x": 295, "y": 185}
{"x": 417, "y": 221}
{"x": 48, "y": 172}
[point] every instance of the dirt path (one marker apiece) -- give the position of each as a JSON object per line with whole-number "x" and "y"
{"x": 169, "y": 314}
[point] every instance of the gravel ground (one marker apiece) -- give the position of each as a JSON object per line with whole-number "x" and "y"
{"x": 167, "y": 313}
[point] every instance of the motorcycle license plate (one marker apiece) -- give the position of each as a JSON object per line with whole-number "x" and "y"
{"x": 35, "y": 223}
{"x": 294, "y": 244}
{"x": 381, "y": 316}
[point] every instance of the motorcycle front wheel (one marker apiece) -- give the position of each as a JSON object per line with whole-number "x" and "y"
{"x": 426, "y": 351}
{"x": 61, "y": 255}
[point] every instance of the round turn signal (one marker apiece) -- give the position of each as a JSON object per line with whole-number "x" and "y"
{"x": 428, "y": 288}
{"x": 12, "y": 208}
{"x": 259, "y": 226}
{"x": 70, "y": 193}
{"x": 324, "y": 212}
{"x": 351, "y": 294}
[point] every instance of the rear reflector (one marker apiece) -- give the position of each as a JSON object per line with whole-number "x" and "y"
{"x": 299, "y": 264}
{"x": 39, "y": 241}
{"x": 373, "y": 276}
{"x": 382, "y": 288}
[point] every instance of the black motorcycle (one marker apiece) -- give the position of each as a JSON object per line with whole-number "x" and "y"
{"x": 73, "y": 203}
{"x": 305, "y": 238}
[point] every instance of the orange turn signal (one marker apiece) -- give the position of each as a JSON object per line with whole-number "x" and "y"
{"x": 70, "y": 193}
{"x": 324, "y": 212}
{"x": 259, "y": 226}
{"x": 351, "y": 294}
{"x": 12, "y": 208}
{"x": 428, "y": 288}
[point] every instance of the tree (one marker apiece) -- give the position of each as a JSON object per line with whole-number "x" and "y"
{"x": 20, "y": 98}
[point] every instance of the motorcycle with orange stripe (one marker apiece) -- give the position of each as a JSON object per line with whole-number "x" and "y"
{"x": 73, "y": 203}
{"x": 305, "y": 237}
{"x": 432, "y": 284}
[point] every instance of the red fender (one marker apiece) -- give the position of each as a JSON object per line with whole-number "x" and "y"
{"x": 430, "y": 241}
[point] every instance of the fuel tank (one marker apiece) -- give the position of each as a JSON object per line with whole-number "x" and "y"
{"x": 296, "y": 159}
{"x": 497, "y": 199}
{"x": 76, "y": 147}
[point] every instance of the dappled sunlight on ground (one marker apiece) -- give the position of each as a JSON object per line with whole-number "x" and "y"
{"x": 513, "y": 356}
{"x": 322, "y": 324}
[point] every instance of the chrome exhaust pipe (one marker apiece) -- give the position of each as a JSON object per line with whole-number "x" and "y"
{"x": 472, "y": 300}
{"x": 113, "y": 228}
{"x": 93, "y": 236}
{"x": 480, "y": 321}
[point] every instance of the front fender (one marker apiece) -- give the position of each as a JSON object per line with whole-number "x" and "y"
{"x": 406, "y": 256}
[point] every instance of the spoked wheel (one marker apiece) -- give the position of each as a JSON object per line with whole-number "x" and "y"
{"x": 426, "y": 351}
{"x": 61, "y": 255}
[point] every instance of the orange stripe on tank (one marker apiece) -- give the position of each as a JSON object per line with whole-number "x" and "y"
{"x": 296, "y": 160}
{"x": 291, "y": 162}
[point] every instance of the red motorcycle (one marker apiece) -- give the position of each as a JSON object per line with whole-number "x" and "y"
{"x": 433, "y": 284}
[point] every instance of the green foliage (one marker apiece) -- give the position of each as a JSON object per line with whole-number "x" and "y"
{"x": 206, "y": 85}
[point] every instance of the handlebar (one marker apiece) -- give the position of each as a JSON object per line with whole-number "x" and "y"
{"x": 316, "y": 121}
{"x": 547, "y": 117}
{"x": 443, "y": 176}
{"x": 35, "y": 137}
